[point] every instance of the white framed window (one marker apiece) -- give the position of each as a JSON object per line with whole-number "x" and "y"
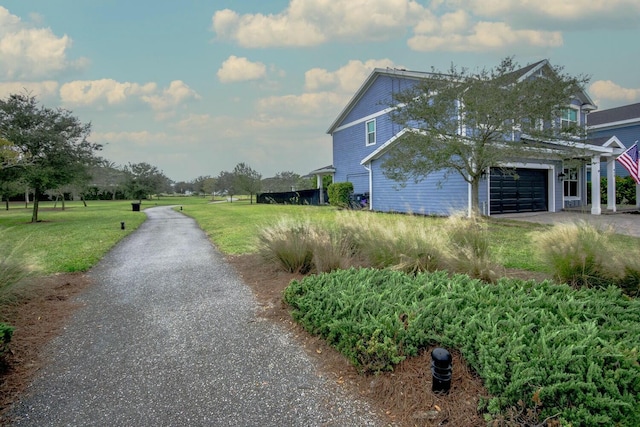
{"x": 371, "y": 132}
{"x": 571, "y": 183}
{"x": 569, "y": 118}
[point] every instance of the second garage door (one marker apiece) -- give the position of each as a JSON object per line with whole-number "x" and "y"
{"x": 522, "y": 190}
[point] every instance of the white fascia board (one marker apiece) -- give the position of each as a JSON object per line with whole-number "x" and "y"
{"x": 364, "y": 119}
{"x": 415, "y": 75}
{"x": 534, "y": 70}
{"x": 594, "y": 148}
{"x": 615, "y": 124}
{"x": 614, "y": 141}
{"x": 380, "y": 150}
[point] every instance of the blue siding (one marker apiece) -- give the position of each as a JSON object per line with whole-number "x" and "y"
{"x": 348, "y": 150}
{"x": 431, "y": 196}
{"x": 628, "y": 135}
{"x": 349, "y": 144}
{"x": 378, "y": 97}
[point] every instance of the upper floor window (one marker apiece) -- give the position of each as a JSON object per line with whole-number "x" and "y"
{"x": 371, "y": 132}
{"x": 569, "y": 118}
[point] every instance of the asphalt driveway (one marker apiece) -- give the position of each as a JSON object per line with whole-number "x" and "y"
{"x": 168, "y": 336}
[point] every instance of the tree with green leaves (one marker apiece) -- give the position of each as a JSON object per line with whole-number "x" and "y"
{"x": 51, "y": 144}
{"x": 226, "y": 184}
{"x": 107, "y": 180}
{"x": 459, "y": 122}
{"x": 248, "y": 181}
{"x": 143, "y": 180}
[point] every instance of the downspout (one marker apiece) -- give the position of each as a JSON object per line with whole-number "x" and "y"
{"x": 368, "y": 168}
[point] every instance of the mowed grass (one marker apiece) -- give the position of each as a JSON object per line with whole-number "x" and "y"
{"x": 69, "y": 240}
{"x": 234, "y": 226}
{"x": 74, "y": 239}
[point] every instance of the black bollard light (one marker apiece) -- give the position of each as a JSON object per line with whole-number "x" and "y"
{"x": 122, "y": 225}
{"x": 441, "y": 370}
{"x": 180, "y": 207}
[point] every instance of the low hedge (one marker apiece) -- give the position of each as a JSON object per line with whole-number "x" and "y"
{"x": 571, "y": 354}
{"x": 339, "y": 193}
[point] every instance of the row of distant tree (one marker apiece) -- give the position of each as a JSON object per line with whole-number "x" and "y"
{"x": 45, "y": 154}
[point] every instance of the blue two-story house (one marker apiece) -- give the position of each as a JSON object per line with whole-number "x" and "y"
{"x": 364, "y": 134}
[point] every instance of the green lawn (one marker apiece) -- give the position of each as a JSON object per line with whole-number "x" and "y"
{"x": 74, "y": 239}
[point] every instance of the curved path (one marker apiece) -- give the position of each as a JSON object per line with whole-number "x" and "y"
{"x": 168, "y": 336}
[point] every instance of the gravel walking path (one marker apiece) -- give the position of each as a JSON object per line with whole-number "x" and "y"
{"x": 168, "y": 336}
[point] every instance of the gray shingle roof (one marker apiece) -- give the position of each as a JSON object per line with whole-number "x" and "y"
{"x": 612, "y": 115}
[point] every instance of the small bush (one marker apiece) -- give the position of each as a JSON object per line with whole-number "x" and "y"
{"x": 6, "y": 332}
{"x": 580, "y": 254}
{"x": 339, "y": 193}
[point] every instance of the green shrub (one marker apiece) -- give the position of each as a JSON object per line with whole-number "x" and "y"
{"x": 625, "y": 190}
{"x": 6, "y": 332}
{"x": 339, "y": 193}
{"x": 287, "y": 244}
{"x": 581, "y": 254}
{"x": 570, "y": 354}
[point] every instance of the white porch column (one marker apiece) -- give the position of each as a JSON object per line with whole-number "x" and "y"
{"x": 611, "y": 184}
{"x": 595, "y": 186}
{"x": 319, "y": 185}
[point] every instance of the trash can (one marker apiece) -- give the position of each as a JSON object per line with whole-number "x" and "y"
{"x": 135, "y": 207}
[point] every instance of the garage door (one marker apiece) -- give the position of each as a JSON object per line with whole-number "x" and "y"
{"x": 523, "y": 190}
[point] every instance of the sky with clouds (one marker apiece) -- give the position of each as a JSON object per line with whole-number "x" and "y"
{"x": 196, "y": 86}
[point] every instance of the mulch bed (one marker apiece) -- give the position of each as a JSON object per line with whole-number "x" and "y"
{"x": 402, "y": 397}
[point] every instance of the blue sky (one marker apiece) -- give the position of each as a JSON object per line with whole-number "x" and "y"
{"x": 195, "y": 87}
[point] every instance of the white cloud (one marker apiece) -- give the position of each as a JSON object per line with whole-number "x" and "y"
{"x": 608, "y": 92}
{"x": 541, "y": 12}
{"x": 31, "y": 53}
{"x": 141, "y": 139}
{"x": 171, "y": 97}
{"x": 236, "y": 69}
{"x": 313, "y": 22}
{"x": 484, "y": 36}
{"x": 448, "y": 25}
{"x": 315, "y": 105}
{"x": 347, "y": 78}
{"x": 45, "y": 89}
{"x": 89, "y": 92}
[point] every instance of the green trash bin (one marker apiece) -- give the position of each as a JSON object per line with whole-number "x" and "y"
{"x": 135, "y": 207}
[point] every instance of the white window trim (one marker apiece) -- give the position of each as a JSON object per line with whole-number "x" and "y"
{"x": 577, "y": 110}
{"x": 366, "y": 134}
{"x": 578, "y": 186}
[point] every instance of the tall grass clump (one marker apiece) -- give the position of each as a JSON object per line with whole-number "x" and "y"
{"x": 332, "y": 248}
{"x": 581, "y": 254}
{"x": 14, "y": 266}
{"x": 287, "y": 244}
{"x": 468, "y": 243}
{"x": 300, "y": 246}
{"x": 403, "y": 243}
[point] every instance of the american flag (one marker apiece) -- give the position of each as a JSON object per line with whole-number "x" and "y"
{"x": 629, "y": 159}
